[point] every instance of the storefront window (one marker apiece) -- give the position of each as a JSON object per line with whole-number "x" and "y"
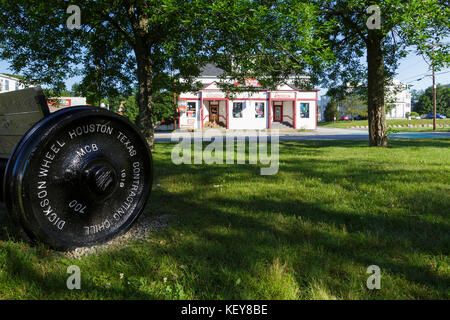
{"x": 259, "y": 109}
{"x": 304, "y": 110}
{"x": 190, "y": 110}
{"x": 237, "y": 109}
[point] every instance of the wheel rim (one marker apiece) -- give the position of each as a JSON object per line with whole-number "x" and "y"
{"x": 79, "y": 177}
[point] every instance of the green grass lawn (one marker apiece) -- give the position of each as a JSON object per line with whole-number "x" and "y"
{"x": 389, "y": 122}
{"x": 309, "y": 232}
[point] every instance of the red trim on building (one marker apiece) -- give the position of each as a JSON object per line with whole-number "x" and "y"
{"x": 204, "y": 88}
{"x": 228, "y": 113}
{"x": 270, "y": 100}
{"x": 317, "y": 115}
{"x": 295, "y": 111}
{"x": 290, "y": 118}
{"x": 270, "y": 107}
{"x": 212, "y": 99}
{"x": 245, "y": 99}
{"x": 218, "y": 90}
{"x": 201, "y": 110}
{"x": 281, "y": 108}
{"x": 251, "y": 99}
{"x": 194, "y": 98}
{"x": 293, "y": 115}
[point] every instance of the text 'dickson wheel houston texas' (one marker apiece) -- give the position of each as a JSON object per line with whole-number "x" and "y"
{"x": 79, "y": 177}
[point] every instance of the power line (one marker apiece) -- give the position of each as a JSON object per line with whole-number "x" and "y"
{"x": 425, "y": 75}
{"x": 416, "y": 80}
{"x": 417, "y": 75}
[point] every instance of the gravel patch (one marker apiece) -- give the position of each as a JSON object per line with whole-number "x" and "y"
{"x": 141, "y": 230}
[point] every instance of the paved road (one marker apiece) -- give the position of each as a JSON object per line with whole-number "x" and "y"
{"x": 319, "y": 134}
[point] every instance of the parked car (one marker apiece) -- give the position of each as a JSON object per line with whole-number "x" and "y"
{"x": 345, "y": 118}
{"x": 438, "y": 116}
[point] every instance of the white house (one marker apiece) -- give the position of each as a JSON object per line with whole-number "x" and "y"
{"x": 401, "y": 98}
{"x": 285, "y": 107}
{"x": 397, "y": 94}
{"x": 9, "y": 83}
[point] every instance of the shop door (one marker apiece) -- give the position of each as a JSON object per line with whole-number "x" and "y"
{"x": 214, "y": 113}
{"x": 277, "y": 113}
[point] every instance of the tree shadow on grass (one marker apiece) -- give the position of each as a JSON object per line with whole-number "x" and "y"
{"x": 253, "y": 239}
{"x": 228, "y": 238}
{"x": 393, "y": 143}
{"x": 398, "y": 234}
{"x": 25, "y": 273}
{"x": 7, "y": 230}
{"x": 421, "y": 143}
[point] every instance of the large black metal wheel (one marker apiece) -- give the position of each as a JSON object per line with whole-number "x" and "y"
{"x": 79, "y": 177}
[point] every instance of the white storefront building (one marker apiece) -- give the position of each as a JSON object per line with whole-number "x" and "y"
{"x": 8, "y": 83}
{"x": 285, "y": 107}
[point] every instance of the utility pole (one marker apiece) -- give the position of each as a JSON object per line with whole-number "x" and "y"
{"x": 433, "y": 75}
{"x": 434, "y": 97}
{"x": 175, "y": 102}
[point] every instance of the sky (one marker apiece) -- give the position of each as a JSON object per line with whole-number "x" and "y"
{"x": 413, "y": 71}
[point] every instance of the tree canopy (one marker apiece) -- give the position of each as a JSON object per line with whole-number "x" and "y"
{"x": 159, "y": 45}
{"x": 353, "y": 105}
{"x": 424, "y": 104}
{"x": 382, "y": 35}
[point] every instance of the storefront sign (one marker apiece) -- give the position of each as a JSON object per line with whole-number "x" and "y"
{"x": 248, "y": 83}
{"x": 283, "y": 95}
{"x": 213, "y": 94}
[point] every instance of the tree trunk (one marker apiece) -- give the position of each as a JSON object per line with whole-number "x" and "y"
{"x": 375, "y": 90}
{"x": 145, "y": 101}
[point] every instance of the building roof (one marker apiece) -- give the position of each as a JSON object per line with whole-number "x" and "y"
{"x": 211, "y": 70}
{"x": 10, "y": 76}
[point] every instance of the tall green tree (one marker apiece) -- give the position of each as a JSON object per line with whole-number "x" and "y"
{"x": 424, "y": 104}
{"x": 161, "y": 45}
{"x": 119, "y": 44}
{"x": 382, "y": 35}
{"x": 268, "y": 40}
{"x": 331, "y": 111}
{"x": 353, "y": 105}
